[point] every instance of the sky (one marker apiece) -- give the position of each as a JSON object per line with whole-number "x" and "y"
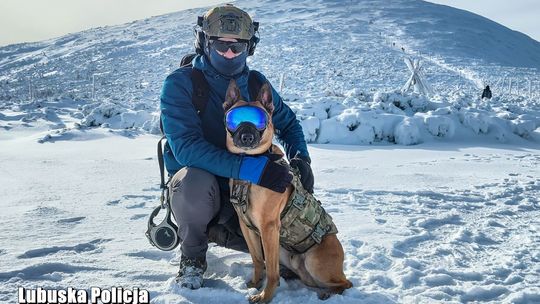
{"x": 519, "y": 15}
{"x": 34, "y": 20}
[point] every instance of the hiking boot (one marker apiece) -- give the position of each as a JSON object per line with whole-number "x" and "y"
{"x": 224, "y": 237}
{"x": 191, "y": 272}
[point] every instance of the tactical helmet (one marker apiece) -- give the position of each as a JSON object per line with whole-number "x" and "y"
{"x": 228, "y": 22}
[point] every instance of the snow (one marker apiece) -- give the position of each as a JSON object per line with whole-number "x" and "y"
{"x": 435, "y": 197}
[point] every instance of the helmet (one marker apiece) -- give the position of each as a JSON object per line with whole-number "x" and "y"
{"x": 226, "y": 21}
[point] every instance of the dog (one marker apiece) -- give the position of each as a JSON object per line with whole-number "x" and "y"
{"x": 321, "y": 266}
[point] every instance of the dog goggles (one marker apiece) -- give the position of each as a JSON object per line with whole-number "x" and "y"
{"x": 255, "y": 115}
{"x": 223, "y": 46}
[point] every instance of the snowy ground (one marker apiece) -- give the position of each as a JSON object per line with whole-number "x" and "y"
{"x": 444, "y": 222}
{"x": 436, "y": 198}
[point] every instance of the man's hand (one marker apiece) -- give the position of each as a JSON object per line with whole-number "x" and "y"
{"x": 265, "y": 172}
{"x": 302, "y": 163}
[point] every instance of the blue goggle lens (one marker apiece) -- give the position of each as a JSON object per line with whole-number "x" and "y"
{"x": 238, "y": 115}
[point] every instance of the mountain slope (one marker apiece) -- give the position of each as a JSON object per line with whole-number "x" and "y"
{"x": 343, "y": 55}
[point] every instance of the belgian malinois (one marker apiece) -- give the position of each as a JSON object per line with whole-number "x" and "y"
{"x": 322, "y": 265}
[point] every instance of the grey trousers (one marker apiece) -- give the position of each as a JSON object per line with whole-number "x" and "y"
{"x": 196, "y": 204}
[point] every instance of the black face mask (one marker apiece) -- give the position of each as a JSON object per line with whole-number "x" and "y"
{"x": 225, "y": 66}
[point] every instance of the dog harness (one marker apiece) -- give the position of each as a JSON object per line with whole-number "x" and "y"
{"x": 304, "y": 222}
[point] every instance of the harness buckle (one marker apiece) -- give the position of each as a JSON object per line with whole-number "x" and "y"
{"x": 239, "y": 196}
{"x": 298, "y": 201}
{"x": 318, "y": 233}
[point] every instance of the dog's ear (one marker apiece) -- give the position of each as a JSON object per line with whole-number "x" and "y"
{"x": 232, "y": 96}
{"x": 265, "y": 97}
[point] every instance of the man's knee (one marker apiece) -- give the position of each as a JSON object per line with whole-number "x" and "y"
{"x": 187, "y": 178}
{"x": 194, "y": 190}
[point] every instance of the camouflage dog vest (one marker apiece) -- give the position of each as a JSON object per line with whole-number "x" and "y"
{"x": 304, "y": 222}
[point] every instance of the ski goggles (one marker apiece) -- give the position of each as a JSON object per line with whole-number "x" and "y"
{"x": 223, "y": 46}
{"x": 254, "y": 115}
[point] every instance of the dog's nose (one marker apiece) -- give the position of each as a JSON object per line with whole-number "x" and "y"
{"x": 247, "y": 138}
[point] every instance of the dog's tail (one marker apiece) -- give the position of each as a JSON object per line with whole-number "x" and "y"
{"x": 334, "y": 288}
{"x": 338, "y": 286}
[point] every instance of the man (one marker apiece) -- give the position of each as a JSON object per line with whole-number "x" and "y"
{"x": 196, "y": 155}
{"x": 486, "y": 93}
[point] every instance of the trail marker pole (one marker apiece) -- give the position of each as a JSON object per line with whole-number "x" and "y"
{"x": 281, "y": 82}
{"x": 93, "y": 87}
{"x": 416, "y": 80}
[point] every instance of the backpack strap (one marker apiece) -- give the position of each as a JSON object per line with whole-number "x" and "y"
{"x": 254, "y": 83}
{"x": 200, "y": 95}
{"x": 186, "y": 60}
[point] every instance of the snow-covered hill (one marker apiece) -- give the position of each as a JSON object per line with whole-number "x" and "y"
{"x": 453, "y": 218}
{"x": 341, "y": 62}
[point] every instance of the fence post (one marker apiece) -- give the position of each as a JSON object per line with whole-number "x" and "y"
{"x": 530, "y": 88}
{"x": 93, "y": 87}
{"x": 31, "y": 89}
{"x": 281, "y": 83}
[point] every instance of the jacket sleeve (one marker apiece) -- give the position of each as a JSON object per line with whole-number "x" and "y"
{"x": 288, "y": 129}
{"x": 182, "y": 127}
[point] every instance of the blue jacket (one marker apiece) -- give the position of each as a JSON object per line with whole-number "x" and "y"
{"x": 200, "y": 141}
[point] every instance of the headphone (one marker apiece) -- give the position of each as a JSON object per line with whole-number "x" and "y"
{"x": 201, "y": 39}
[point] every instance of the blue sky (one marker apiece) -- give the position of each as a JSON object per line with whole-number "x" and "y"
{"x": 519, "y": 15}
{"x": 33, "y": 20}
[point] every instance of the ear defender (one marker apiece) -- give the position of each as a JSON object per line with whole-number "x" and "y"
{"x": 254, "y": 39}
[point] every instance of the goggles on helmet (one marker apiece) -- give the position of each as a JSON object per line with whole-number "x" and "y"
{"x": 255, "y": 115}
{"x": 223, "y": 46}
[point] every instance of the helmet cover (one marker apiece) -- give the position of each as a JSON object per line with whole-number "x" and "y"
{"x": 228, "y": 22}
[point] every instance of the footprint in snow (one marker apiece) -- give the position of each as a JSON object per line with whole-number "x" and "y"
{"x": 113, "y": 203}
{"x": 138, "y": 216}
{"x": 380, "y": 221}
{"x": 153, "y": 255}
{"x": 45, "y": 251}
{"x": 45, "y": 271}
{"x": 134, "y": 201}
{"x": 71, "y": 220}
{"x": 433, "y": 223}
{"x": 356, "y": 243}
{"x": 134, "y": 206}
{"x": 45, "y": 211}
{"x": 400, "y": 248}
{"x": 151, "y": 189}
{"x": 377, "y": 261}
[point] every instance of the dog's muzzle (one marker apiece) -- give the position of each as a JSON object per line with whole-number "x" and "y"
{"x": 247, "y": 136}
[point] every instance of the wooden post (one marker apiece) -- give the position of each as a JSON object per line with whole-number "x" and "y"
{"x": 281, "y": 83}
{"x": 31, "y": 90}
{"x": 530, "y": 88}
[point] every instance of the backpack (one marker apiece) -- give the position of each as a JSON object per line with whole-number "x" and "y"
{"x": 199, "y": 99}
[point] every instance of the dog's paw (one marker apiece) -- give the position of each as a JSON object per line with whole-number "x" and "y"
{"x": 258, "y": 298}
{"x": 323, "y": 295}
{"x": 251, "y": 284}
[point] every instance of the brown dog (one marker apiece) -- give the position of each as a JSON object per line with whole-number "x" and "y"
{"x": 322, "y": 265}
